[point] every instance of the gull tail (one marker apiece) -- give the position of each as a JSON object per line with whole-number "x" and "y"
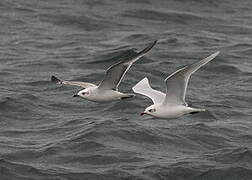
{"x": 56, "y": 80}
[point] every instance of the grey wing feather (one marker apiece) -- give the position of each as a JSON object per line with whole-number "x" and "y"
{"x": 116, "y": 72}
{"x": 72, "y": 83}
{"x": 177, "y": 82}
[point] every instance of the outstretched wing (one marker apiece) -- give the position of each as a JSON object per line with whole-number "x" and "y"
{"x": 143, "y": 87}
{"x": 116, "y": 72}
{"x": 176, "y": 83}
{"x": 72, "y": 83}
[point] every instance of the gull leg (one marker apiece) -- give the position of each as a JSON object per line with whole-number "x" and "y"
{"x": 127, "y": 96}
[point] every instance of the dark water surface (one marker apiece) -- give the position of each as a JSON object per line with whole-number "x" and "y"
{"x": 46, "y": 134}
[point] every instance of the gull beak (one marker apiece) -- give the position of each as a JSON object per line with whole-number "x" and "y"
{"x": 75, "y": 95}
{"x": 142, "y": 113}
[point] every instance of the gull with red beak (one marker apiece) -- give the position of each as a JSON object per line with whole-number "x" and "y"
{"x": 107, "y": 90}
{"x": 172, "y": 104}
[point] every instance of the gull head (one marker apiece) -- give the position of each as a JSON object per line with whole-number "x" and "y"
{"x": 83, "y": 93}
{"x": 151, "y": 110}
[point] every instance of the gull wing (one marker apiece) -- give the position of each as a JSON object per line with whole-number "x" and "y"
{"x": 143, "y": 87}
{"x": 176, "y": 83}
{"x": 116, "y": 72}
{"x": 72, "y": 83}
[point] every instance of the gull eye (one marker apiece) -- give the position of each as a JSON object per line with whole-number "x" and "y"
{"x": 152, "y": 110}
{"x": 85, "y": 93}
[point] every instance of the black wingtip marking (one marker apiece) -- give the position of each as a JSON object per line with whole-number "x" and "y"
{"x": 148, "y": 48}
{"x": 56, "y": 80}
{"x": 195, "y": 112}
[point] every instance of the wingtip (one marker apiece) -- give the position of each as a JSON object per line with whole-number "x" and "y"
{"x": 56, "y": 80}
{"x": 155, "y": 42}
{"x": 212, "y": 56}
{"x": 148, "y": 48}
{"x": 144, "y": 79}
{"x": 217, "y": 53}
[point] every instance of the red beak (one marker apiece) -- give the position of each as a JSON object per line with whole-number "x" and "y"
{"x": 142, "y": 113}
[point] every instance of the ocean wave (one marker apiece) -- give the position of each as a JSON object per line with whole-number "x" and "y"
{"x": 168, "y": 16}
{"x": 82, "y": 22}
{"x": 47, "y": 134}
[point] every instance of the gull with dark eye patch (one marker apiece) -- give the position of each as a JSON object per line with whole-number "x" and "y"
{"x": 172, "y": 104}
{"x": 107, "y": 90}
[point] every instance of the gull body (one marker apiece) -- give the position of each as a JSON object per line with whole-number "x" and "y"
{"x": 170, "y": 111}
{"x": 172, "y": 104}
{"x": 107, "y": 90}
{"x": 98, "y": 95}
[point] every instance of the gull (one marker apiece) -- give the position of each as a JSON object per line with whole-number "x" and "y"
{"x": 172, "y": 104}
{"x": 107, "y": 90}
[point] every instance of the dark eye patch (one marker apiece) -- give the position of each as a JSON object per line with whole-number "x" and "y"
{"x": 85, "y": 93}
